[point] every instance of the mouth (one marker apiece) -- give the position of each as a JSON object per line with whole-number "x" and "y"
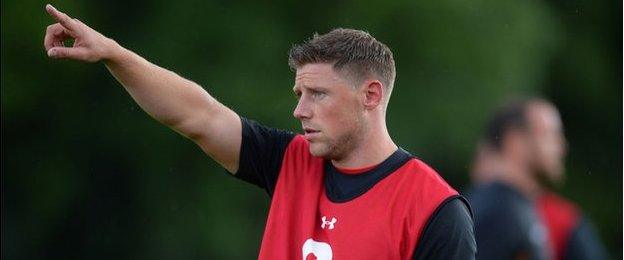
{"x": 310, "y": 133}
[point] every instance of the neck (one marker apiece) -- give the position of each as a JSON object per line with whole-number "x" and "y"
{"x": 373, "y": 148}
{"x": 521, "y": 179}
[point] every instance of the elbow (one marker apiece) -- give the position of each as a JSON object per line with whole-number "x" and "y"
{"x": 196, "y": 125}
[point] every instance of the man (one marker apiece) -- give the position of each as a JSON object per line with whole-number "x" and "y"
{"x": 518, "y": 162}
{"x": 342, "y": 189}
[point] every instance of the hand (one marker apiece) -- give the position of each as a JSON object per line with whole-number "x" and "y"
{"x": 89, "y": 45}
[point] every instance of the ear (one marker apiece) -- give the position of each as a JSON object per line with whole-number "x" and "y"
{"x": 515, "y": 144}
{"x": 373, "y": 94}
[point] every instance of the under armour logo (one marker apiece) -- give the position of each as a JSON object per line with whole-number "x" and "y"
{"x": 329, "y": 223}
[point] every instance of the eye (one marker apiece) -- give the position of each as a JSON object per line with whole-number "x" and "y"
{"x": 318, "y": 94}
{"x": 297, "y": 94}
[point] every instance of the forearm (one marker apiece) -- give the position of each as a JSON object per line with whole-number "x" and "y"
{"x": 166, "y": 96}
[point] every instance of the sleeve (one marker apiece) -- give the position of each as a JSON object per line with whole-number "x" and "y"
{"x": 585, "y": 243}
{"x": 261, "y": 154}
{"x": 449, "y": 233}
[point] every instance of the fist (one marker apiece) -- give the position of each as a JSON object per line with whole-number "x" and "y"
{"x": 89, "y": 45}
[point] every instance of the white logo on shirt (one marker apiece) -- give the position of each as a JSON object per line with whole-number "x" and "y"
{"x": 322, "y": 251}
{"x": 331, "y": 223}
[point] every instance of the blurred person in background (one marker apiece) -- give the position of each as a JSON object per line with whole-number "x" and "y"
{"x": 517, "y": 166}
{"x": 342, "y": 189}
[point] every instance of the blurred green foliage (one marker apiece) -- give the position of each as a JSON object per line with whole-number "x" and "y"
{"x": 87, "y": 175}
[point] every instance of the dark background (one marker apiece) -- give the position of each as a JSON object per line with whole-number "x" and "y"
{"x": 87, "y": 175}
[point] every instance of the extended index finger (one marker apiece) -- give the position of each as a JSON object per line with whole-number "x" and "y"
{"x": 62, "y": 18}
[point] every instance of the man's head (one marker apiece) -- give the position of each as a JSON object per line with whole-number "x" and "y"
{"x": 530, "y": 133}
{"x": 343, "y": 80}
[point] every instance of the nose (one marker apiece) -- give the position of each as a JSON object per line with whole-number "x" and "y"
{"x": 302, "y": 110}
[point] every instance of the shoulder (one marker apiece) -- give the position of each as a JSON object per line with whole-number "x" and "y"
{"x": 424, "y": 178}
{"x": 496, "y": 196}
{"x": 555, "y": 207}
{"x": 584, "y": 243}
{"x": 495, "y": 204}
{"x": 425, "y": 189}
{"x": 454, "y": 209}
{"x": 422, "y": 172}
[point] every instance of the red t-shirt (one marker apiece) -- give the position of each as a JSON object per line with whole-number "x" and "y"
{"x": 383, "y": 223}
{"x": 314, "y": 214}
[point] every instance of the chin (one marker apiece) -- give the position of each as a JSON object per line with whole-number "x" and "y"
{"x": 318, "y": 150}
{"x": 558, "y": 178}
{"x": 551, "y": 180}
{"x": 322, "y": 150}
